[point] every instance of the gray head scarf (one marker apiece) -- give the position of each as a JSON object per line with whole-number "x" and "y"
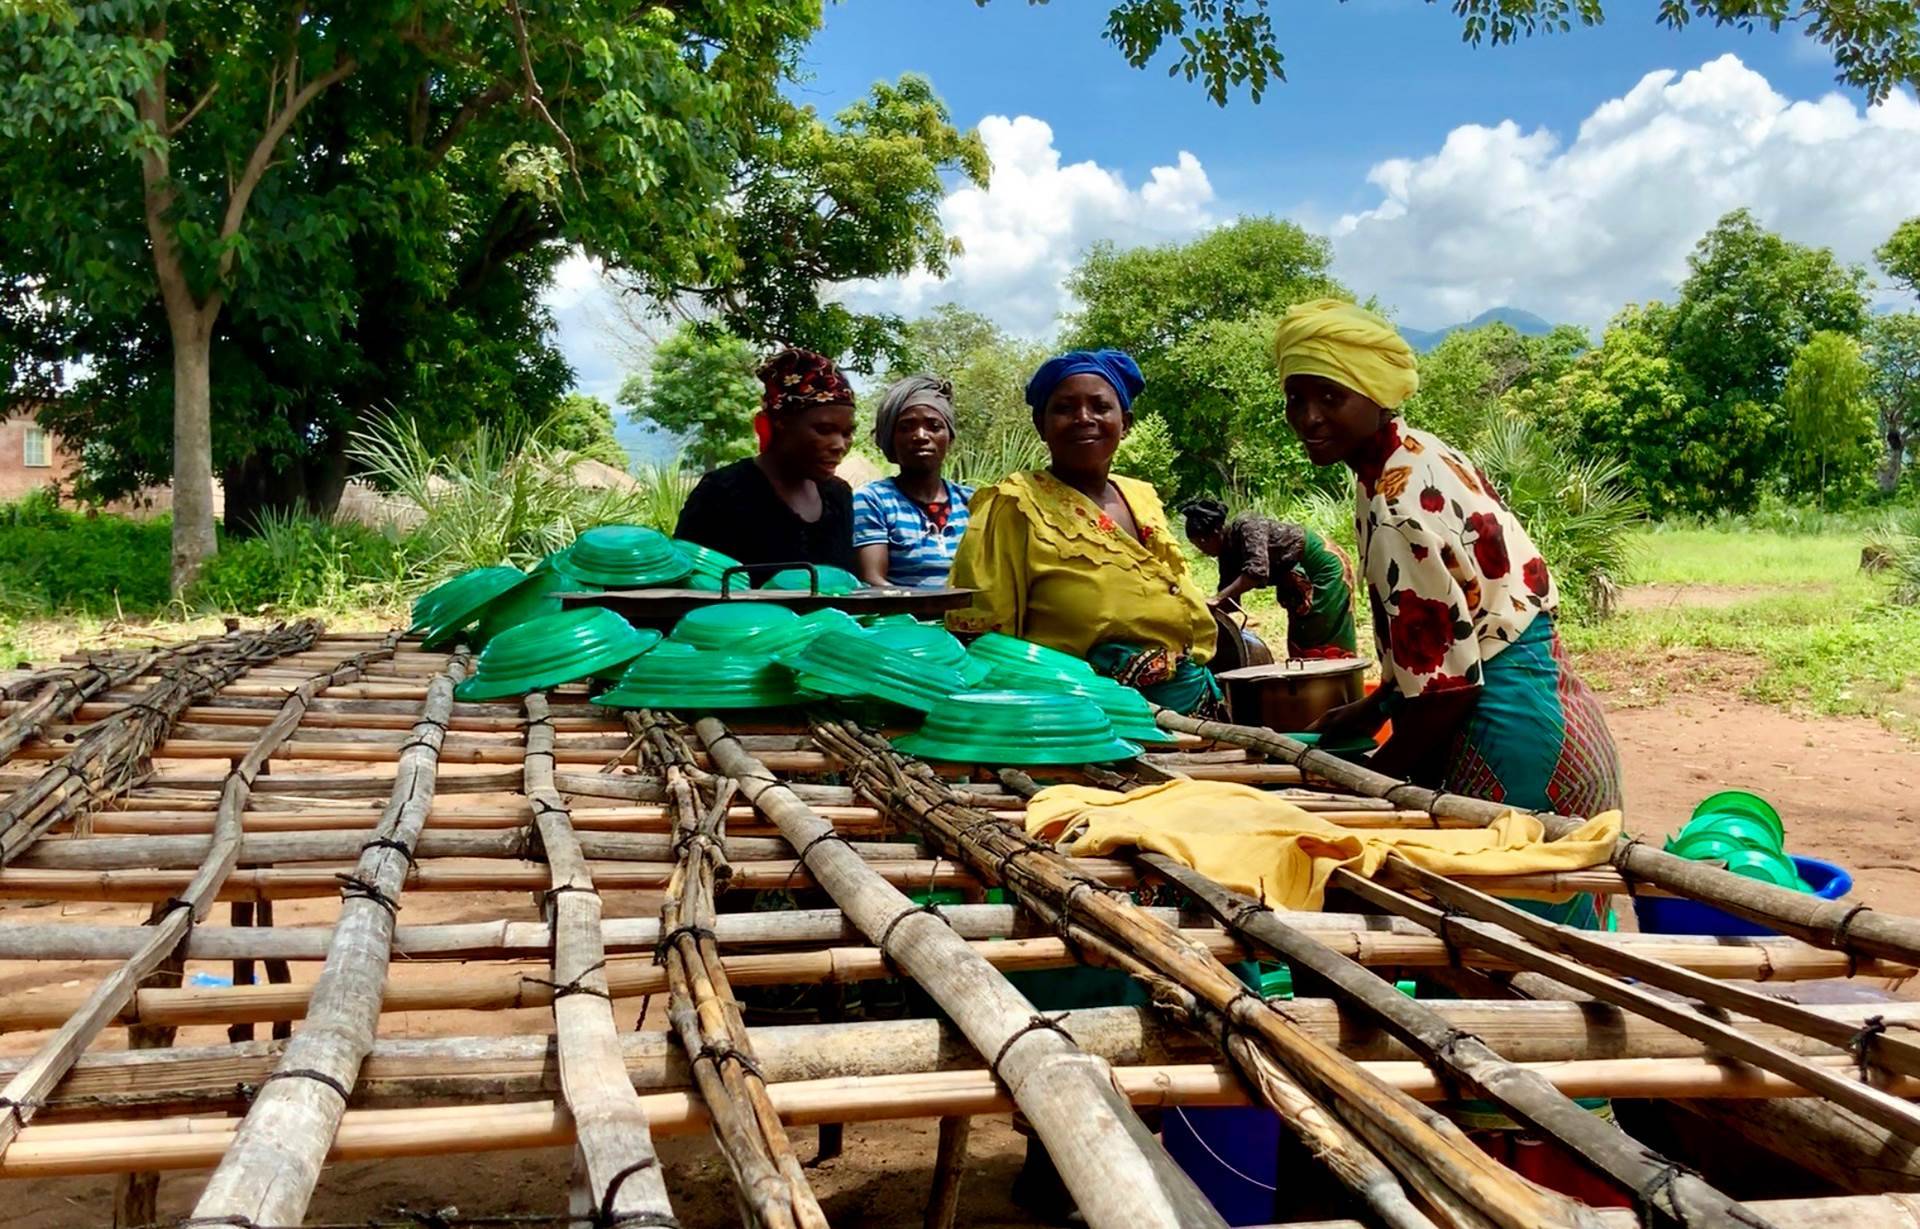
{"x": 930, "y": 391}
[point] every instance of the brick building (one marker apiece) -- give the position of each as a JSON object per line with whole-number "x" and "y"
{"x": 31, "y": 458}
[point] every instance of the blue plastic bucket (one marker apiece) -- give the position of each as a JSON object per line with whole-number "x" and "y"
{"x": 1670, "y": 915}
{"x": 1232, "y": 1155}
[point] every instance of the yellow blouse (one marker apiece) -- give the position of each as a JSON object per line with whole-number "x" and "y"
{"x": 1051, "y": 567}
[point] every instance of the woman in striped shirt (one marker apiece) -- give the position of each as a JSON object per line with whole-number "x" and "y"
{"x": 906, "y": 528}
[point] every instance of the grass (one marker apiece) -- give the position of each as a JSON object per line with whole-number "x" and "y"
{"x": 1788, "y": 618}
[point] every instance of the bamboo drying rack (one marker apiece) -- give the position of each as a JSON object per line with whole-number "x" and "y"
{"x": 293, "y": 764}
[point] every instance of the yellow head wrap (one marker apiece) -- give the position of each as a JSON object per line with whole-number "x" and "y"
{"x": 1348, "y": 345}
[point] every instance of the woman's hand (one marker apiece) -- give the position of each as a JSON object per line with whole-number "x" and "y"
{"x": 1360, "y": 719}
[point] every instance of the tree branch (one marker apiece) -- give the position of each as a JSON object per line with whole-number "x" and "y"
{"x": 158, "y": 194}
{"x": 536, "y": 100}
{"x": 470, "y": 110}
{"x": 263, "y": 150}
{"x": 174, "y": 128}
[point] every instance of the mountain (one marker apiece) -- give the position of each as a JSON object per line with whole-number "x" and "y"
{"x": 644, "y": 442}
{"x": 1518, "y": 319}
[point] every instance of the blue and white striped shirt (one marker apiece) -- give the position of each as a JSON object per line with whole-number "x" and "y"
{"x": 919, "y": 552}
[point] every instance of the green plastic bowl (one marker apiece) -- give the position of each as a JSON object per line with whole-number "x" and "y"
{"x": 708, "y": 565}
{"x": 552, "y": 650}
{"x": 676, "y": 675}
{"x": 848, "y": 665}
{"x": 833, "y": 581}
{"x": 788, "y": 639}
{"x": 447, "y": 609}
{"x": 1017, "y": 727}
{"x": 1749, "y": 831}
{"x": 623, "y": 557}
{"x": 1743, "y": 802}
{"x": 876, "y": 622}
{"x": 729, "y": 625}
{"x": 1705, "y": 847}
{"x": 537, "y": 596}
{"x": 930, "y": 643}
{"x": 1128, "y": 710}
{"x": 1003, "y": 650}
{"x": 1347, "y": 749}
{"x": 1767, "y": 866}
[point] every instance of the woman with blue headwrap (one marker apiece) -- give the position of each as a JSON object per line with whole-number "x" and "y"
{"x": 1082, "y": 560}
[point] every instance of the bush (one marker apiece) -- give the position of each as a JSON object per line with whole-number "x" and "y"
{"x": 299, "y": 562}
{"x": 1148, "y": 453}
{"x": 55, "y": 559}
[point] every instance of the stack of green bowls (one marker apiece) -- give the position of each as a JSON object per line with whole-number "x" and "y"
{"x": 709, "y": 565}
{"x": 554, "y": 649}
{"x": 1127, "y": 709}
{"x": 444, "y": 611}
{"x": 677, "y": 675}
{"x": 623, "y": 557}
{"x": 848, "y": 664}
{"x": 727, "y": 625}
{"x": 535, "y": 596}
{"x": 1032, "y": 660}
{"x": 833, "y": 581}
{"x": 930, "y": 643}
{"x": 1743, "y": 831}
{"x": 1017, "y": 727}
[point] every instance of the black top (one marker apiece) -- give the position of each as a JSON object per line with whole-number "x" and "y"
{"x": 736, "y": 511}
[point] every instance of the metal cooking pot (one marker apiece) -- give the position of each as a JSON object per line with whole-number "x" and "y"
{"x": 1291, "y": 695}
{"x": 1236, "y": 645}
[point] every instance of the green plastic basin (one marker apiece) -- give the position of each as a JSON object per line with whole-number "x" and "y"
{"x": 623, "y": 557}
{"x": 833, "y": 581}
{"x": 1346, "y": 749}
{"x": 676, "y": 675}
{"x": 708, "y": 565}
{"x": 1743, "y": 802}
{"x": 1749, "y": 831}
{"x": 847, "y": 664}
{"x": 554, "y": 649}
{"x": 1705, "y": 847}
{"x": 1130, "y": 712}
{"x": 930, "y": 643}
{"x": 1017, "y": 727}
{"x": 534, "y": 597}
{"x": 1036, "y": 659}
{"x": 728, "y": 625}
{"x": 1768, "y": 866}
{"x": 448, "y": 608}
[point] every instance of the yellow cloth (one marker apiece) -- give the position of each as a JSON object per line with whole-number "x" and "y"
{"x": 1256, "y": 843}
{"x": 1348, "y": 345}
{"x": 1051, "y": 567}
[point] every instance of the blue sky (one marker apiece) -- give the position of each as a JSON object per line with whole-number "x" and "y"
{"x": 1565, "y": 174}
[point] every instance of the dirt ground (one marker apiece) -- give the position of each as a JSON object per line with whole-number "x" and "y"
{"x": 1846, "y": 788}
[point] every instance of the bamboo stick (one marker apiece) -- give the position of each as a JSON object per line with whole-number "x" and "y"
{"x": 1294, "y": 1072}
{"x": 1872, "y": 1103}
{"x": 27, "y": 1089}
{"x": 465, "y": 750}
{"x": 1855, "y": 1212}
{"x": 706, "y": 1017}
{"x": 58, "y": 693}
{"x": 1656, "y": 1183}
{"x": 268, "y": 1174}
{"x": 620, "y": 1169}
{"x": 1845, "y": 925}
{"x": 1116, "y": 1171}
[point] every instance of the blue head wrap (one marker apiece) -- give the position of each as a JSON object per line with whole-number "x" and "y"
{"x": 1116, "y": 367}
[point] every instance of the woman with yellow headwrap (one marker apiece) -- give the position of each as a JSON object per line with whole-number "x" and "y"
{"x": 1482, "y": 697}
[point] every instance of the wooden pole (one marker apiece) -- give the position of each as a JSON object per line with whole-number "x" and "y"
{"x": 1657, "y": 1184}
{"x": 619, "y": 1169}
{"x": 26, "y": 1091}
{"x": 268, "y": 1174}
{"x": 1116, "y": 1171}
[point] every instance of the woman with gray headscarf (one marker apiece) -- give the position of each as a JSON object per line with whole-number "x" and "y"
{"x": 906, "y": 528}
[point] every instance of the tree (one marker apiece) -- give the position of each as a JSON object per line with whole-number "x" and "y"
{"x": 180, "y": 152}
{"x": 1230, "y": 45}
{"x": 1199, "y": 317}
{"x": 1893, "y": 355}
{"x": 583, "y": 425}
{"x": 814, "y": 204}
{"x": 1830, "y": 420}
{"x": 702, "y": 386}
{"x": 987, "y": 367}
{"x": 1149, "y": 454}
{"x": 1900, "y": 254}
{"x": 1750, "y": 301}
{"x": 1464, "y": 379}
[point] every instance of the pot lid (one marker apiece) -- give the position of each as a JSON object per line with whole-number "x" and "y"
{"x": 1297, "y": 668}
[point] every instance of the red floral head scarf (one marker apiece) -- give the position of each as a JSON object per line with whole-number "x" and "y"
{"x": 795, "y": 380}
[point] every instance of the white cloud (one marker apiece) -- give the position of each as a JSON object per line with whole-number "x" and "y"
{"x": 1572, "y": 231}
{"x": 1022, "y": 234}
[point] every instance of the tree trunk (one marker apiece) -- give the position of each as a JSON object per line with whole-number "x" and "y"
{"x": 309, "y": 485}
{"x": 1896, "y": 441}
{"x": 193, "y": 541}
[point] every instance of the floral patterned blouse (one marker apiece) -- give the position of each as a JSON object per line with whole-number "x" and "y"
{"x": 1050, "y": 566}
{"x": 1451, "y": 574}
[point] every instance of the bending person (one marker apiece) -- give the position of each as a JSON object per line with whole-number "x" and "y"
{"x": 1080, "y": 559}
{"x": 785, "y": 505}
{"x": 907, "y": 528}
{"x": 1311, "y": 578}
{"x": 1482, "y": 697}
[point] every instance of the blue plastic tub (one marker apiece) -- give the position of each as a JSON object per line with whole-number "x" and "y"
{"x": 1233, "y": 1156}
{"x": 1669, "y": 915}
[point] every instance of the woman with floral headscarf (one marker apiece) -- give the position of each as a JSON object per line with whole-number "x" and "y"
{"x": 785, "y": 505}
{"x": 1082, "y": 560}
{"x": 1482, "y": 697}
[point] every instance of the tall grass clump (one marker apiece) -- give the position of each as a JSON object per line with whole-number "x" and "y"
{"x": 1893, "y": 547}
{"x": 503, "y": 496}
{"x": 53, "y": 559}
{"x": 978, "y": 458}
{"x": 299, "y": 562}
{"x": 1579, "y": 511}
